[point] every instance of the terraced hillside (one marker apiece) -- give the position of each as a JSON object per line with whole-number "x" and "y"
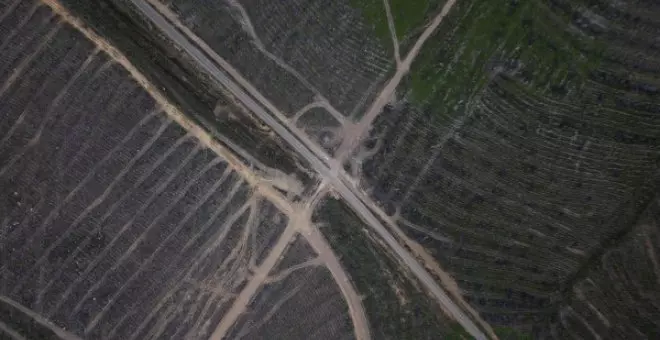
{"x": 523, "y": 144}
{"x": 617, "y": 295}
{"x": 120, "y": 219}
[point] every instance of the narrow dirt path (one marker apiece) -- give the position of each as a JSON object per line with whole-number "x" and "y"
{"x": 264, "y": 187}
{"x": 63, "y": 334}
{"x": 281, "y": 275}
{"x": 246, "y": 22}
{"x": 651, "y": 252}
{"x": 449, "y": 285}
{"x": 325, "y": 253}
{"x": 393, "y": 36}
{"x": 190, "y": 37}
{"x": 355, "y": 135}
{"x": 318, "y": 159}
{"x": 299, "y": 220}
{"x": 260, "y": 274}
{"x": 331, "y": 261}
{"x": 9, "y": 331}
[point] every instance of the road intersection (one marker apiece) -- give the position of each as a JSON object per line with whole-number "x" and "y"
{"x": 330, "y": 169}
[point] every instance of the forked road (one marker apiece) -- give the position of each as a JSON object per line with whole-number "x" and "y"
{"x": 320, "y": 163}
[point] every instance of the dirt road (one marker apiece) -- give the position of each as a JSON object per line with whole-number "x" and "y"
{"x": 328, "y": 168}
{"x": 358, "y": 131}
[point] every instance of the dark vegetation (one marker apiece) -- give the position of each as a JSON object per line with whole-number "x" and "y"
{"x": 396, "y": 306}
{"x": 114, "y": 222}
{"x": 325, "y": 42}
{"x": 527, "y": 147}
{"x": 305, "y": 304}
{"x": 171, "y": 71}
{"x": 618, "y": 295}
{"x": 410, "y": 18}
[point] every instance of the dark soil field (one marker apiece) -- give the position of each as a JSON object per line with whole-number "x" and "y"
{"x": 114, "y": 222}
{"x": 300, "y": 300}
{"x": 16, "y": 323}
{"x": 521, "y": 151}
